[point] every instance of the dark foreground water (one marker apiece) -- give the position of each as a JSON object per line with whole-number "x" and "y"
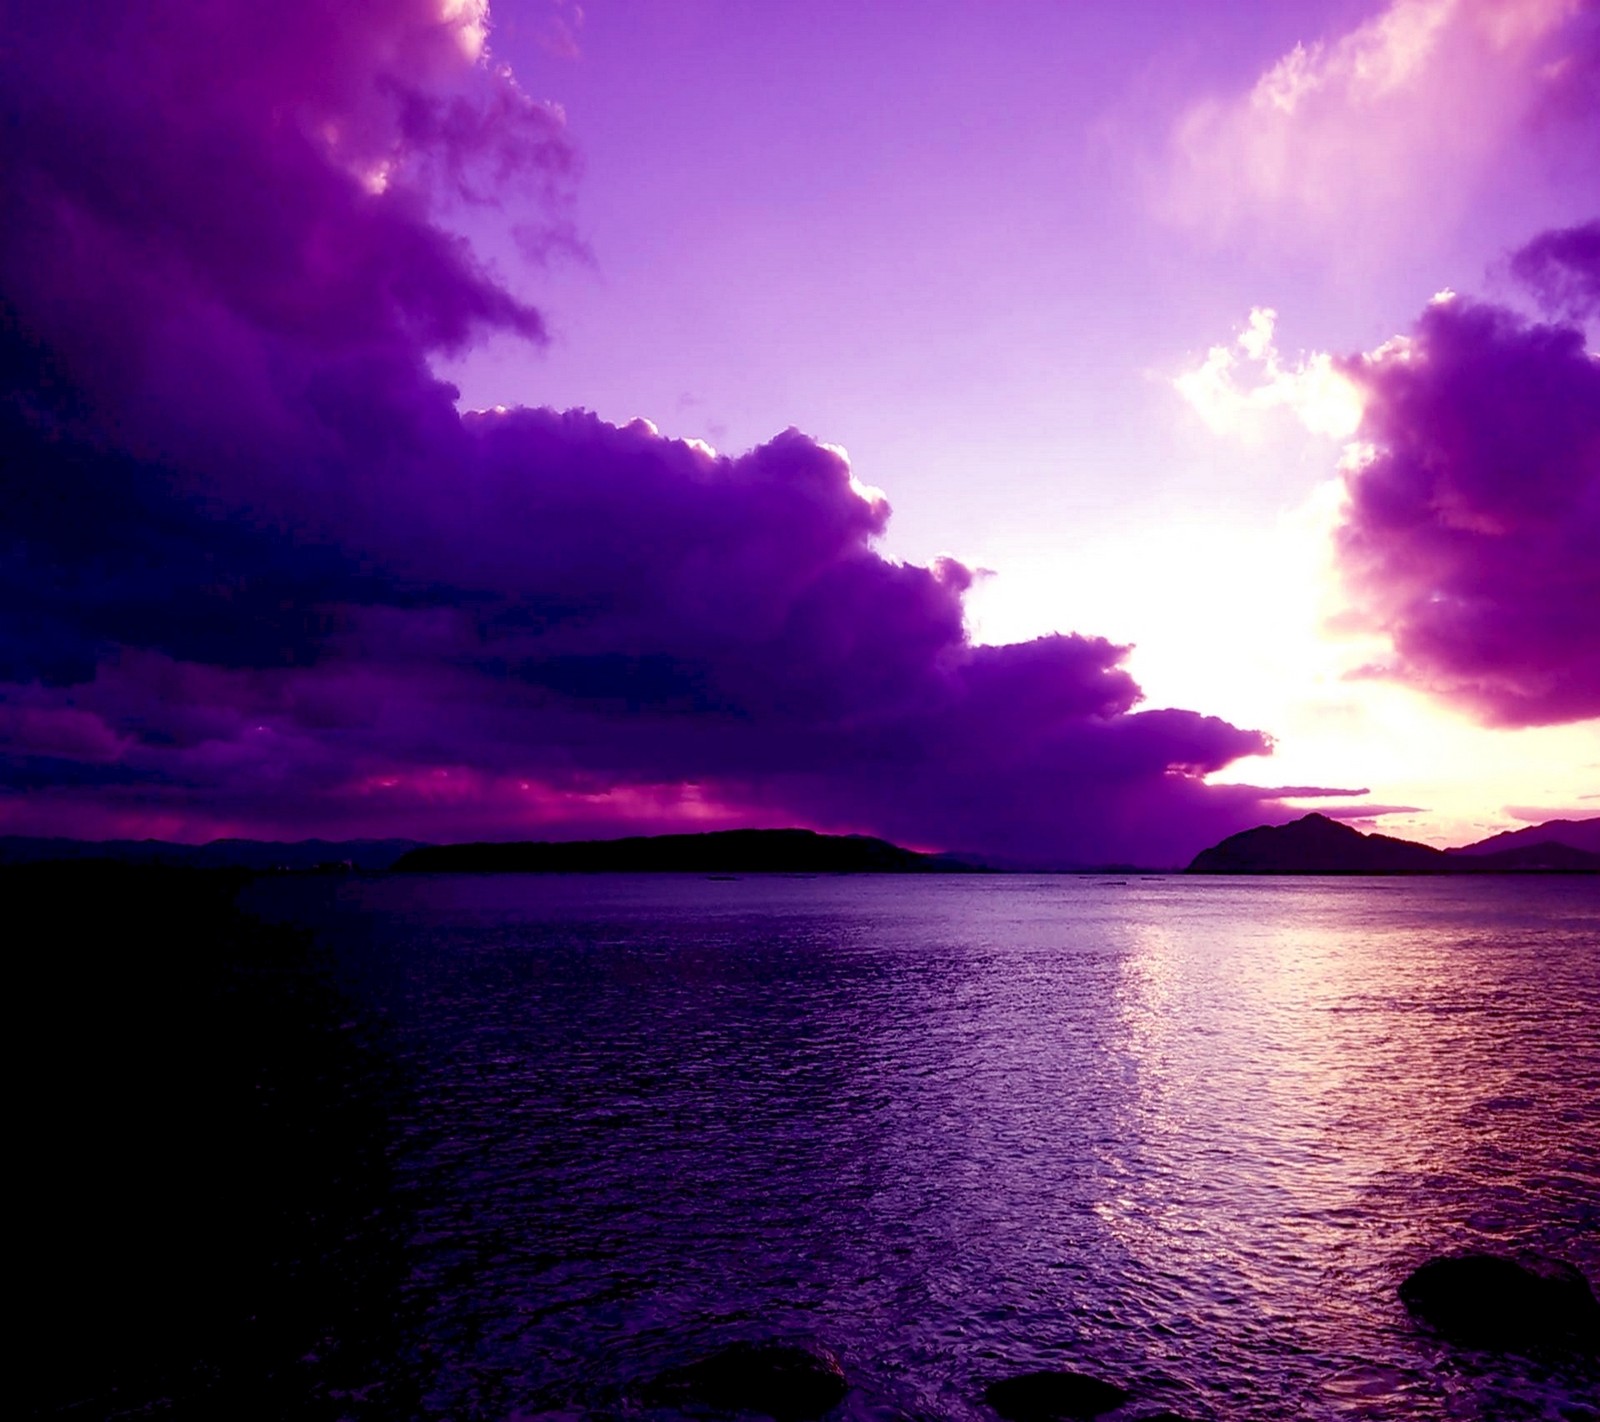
{"x": 1184, "y": 1135}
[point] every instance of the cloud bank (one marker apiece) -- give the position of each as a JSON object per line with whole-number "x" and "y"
{"x": 260, "y": 576}
{"x": 1472, "y": 535}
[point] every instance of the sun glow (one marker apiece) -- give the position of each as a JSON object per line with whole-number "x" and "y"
{"x": 470, "y": 21}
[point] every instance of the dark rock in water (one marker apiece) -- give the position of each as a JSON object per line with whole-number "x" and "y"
{"x": 1045, "y": 1396}
{"x": 783, "y": 1380}
{"x": 1488, "y": 1301}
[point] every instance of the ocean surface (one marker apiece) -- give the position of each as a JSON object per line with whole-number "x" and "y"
{"x": 1187, "y": 1136}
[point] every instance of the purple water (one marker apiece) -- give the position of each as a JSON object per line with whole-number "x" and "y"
{"x": 1184, "y": 1135}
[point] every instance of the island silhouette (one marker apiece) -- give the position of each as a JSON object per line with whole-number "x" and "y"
{"x": 1315, "y": 844}
{"x": 750, "y": 851}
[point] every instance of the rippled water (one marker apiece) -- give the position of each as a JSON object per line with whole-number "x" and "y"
{"x": 1184, "y": 1135}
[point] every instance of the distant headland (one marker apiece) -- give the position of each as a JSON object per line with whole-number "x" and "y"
{"x": 771, "y": 851}
{"x": 1315, "y": 844}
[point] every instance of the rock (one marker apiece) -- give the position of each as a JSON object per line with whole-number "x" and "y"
{"x": 1046, "y": 1396}
{"x": 1489, "y": 1301}
{"x": 783, "y": 1380}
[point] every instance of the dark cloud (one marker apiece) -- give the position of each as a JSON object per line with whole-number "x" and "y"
{"x": 259, "y": 576}
{"x": 1472, "y": 537}
{"x": 1562, "y": 269}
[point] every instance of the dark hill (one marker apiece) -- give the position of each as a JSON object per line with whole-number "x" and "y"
{"x": 1545, "y": 857}
{"x": 788, "y": 851}
{"x": 1315, "y": 844}
{"x": 1577, "y": 834}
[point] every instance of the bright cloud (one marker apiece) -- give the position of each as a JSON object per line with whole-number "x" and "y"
{"x": 1237, "y": 386}
{"x": 1343, "y": 133}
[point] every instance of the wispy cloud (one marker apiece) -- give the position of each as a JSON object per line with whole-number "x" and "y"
{"x": 1351, "y": 137}
{"x": 1543, "y": 814}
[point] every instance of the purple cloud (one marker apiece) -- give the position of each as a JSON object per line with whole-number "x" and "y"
{"x": 1562, "y": 269}
{"x": 1472, "y": 531}
{"x": 260, "y": 576}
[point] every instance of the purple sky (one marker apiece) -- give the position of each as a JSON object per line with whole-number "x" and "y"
{"x": 1198, "y": 484}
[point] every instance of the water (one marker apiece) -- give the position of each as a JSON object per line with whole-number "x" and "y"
{"x": 1184, "y": 1135}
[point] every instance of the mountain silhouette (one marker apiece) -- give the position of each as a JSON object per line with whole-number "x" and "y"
{"x": 1314, "y": 844}
{"x": 1579, "y": 834}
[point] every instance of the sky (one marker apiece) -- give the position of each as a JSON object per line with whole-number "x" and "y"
{"x": 1066, "y": 433}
